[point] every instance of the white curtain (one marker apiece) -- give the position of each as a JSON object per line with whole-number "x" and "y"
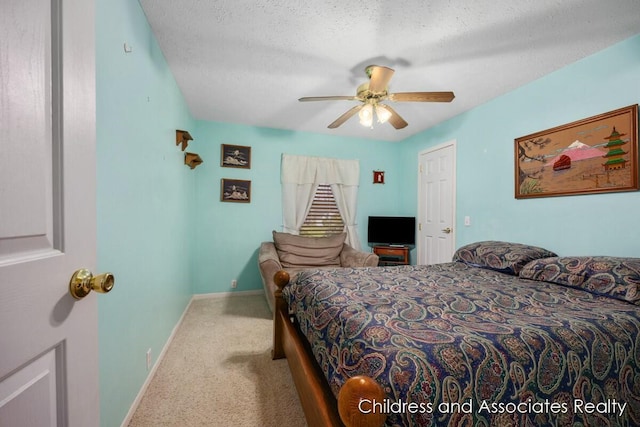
{"x": 346, "y": 197}
{"x": 296, "y": 202}
{"x": 300, "y": 177}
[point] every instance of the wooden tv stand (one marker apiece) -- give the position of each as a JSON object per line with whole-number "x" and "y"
{"x": 392, "y": 255}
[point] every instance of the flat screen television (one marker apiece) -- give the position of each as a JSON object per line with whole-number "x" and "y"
{"x": 392, "y": 230}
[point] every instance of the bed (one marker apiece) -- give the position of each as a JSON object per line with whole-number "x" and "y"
{"x": 505, "y": 335}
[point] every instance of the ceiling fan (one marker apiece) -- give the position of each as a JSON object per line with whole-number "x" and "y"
{"x": 375, "y": 91}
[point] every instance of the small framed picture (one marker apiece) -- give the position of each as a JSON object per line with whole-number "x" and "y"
{"x": 235, "y": 190}
{"x": 378, "y": 177}
{"x": 235, "y": 156}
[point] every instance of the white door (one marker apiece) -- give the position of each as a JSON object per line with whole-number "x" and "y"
{"x": 48, "y": 340}
{"x": 436, "y": 204}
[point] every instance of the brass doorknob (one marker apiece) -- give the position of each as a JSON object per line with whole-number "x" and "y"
{"x": 446, "y": 230}
{"x": 83, "y": 281}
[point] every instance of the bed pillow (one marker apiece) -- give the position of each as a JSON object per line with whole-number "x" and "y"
{"x": 298, "y": 251}
{"x": 614, "y": 277}
{"x": 505, "y": 257}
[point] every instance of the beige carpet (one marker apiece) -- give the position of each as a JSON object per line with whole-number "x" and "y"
{"x": 218, "y": 371}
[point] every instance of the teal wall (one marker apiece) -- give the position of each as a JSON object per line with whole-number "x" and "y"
{"x": 572, "y": 225}
{"x": 229, "y": 234}
{"x": 164, "y": 233}
{"x": 145, "y": 202}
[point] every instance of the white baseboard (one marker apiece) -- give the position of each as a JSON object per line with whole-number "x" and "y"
{"x": 153, "y": 370}
{"x": 228, "y": 294}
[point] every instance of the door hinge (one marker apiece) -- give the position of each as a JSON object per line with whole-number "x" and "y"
{"x": 420, "y": 168}
{"x": 419, "y": 226}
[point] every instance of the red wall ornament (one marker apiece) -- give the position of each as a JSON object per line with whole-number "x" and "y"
{"x": 378, "y": 177}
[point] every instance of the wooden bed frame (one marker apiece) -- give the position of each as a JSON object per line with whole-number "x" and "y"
{"x": 321, "y": 408}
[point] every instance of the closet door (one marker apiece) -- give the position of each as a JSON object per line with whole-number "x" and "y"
{"x": 436, "y": 204}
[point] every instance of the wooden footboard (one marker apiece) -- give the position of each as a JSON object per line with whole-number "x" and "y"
{"x": 320, "y": 407}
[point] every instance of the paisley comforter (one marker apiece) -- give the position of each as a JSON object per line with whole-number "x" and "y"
{"x": 456, "y": 345}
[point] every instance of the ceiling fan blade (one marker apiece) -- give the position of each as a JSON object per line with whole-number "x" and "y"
{"x": 422, "y": 96}
{"x": 380, "y": 77}
{"x": 346, "y": 116}
{"x": 328, "y": 98}
{"x": 395, "y": 119}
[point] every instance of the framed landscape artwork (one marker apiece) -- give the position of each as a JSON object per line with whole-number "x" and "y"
{"x": 598, "y": 154}
{"x": 235, "y": 190}
{"x": 235, "y": 156}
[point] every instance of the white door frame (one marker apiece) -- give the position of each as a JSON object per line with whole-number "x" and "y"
{"x": 421, "y": 196}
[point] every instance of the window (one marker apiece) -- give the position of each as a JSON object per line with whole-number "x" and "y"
{"x": 324, "y": 218}
{"x": 300, "y": 177}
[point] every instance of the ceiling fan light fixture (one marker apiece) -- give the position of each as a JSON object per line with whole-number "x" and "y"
{"x": 374, "y": 91}
{"x": 366, "y": 115}
{"x": 382, "y": 113}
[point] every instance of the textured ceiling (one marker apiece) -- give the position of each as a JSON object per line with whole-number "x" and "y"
{"x": 248, "y": 62}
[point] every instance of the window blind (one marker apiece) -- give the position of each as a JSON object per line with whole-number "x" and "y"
{"x": 324, "y": 218}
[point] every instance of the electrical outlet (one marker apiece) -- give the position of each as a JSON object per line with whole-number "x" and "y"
{"x": 234, "y": 284}
{"x": 467, "y": 221}
{"x": 148, "y": 359}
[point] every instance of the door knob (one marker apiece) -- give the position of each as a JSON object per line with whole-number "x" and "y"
{"x": 83, "y": 281}
{"x": 446, "y": 230}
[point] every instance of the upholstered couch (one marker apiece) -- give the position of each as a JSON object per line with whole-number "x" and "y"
{"x": 296, "y": 253}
